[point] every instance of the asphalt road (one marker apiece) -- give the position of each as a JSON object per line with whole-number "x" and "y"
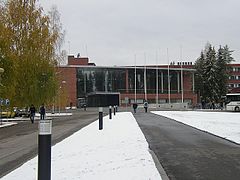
{"x": 187, "y": 153}
{"x": 19, "y": 143}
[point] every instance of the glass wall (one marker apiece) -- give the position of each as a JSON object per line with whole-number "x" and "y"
{"x": 100, "y": 79}
{"x": 91, "y": 79}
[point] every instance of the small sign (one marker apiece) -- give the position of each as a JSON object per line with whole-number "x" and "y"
{"x": 4, "y": 102}
{"x": 7, "y": 102}
{"x": 45, "y": 127}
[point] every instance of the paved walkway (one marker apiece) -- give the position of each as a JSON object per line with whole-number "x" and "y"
{"x": 188, "y": 154}
{"x": 19, "y": 143}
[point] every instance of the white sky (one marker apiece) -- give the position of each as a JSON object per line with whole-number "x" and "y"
{"x": 110, "y": 32}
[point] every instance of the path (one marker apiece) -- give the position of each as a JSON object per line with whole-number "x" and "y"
{"x": 186, "y": 153}
{"x": 19, "y": 143}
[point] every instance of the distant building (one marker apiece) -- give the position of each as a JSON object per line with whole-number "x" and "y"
{"x": 234, "y": 78}
{"x": 106, "y": 85}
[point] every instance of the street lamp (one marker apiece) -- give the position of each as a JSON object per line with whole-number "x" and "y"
{"x": 62, "y": 82}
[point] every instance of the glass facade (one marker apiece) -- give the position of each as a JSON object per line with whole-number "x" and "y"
{"x": 100, "y": 79}
{"x": 99, "y": 85}
{"x": 92, "y": 79}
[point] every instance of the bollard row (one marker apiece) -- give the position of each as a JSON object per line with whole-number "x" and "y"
{"x": 110, "y": 115}
{"x": 100, "y": 118}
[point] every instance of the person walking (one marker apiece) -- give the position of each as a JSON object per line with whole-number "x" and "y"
{"x": 32, "y": 113}
{"x": 135, "y": 107}
{"x": 42, "y": 112}
{"x": 145, "y": 105}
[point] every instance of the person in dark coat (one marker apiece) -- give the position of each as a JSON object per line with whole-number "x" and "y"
{"x": 145, "y": 105}
{"x": 135, "y": 107}
{"x": 42, "y": 112}
{"x": 32, "y": 113}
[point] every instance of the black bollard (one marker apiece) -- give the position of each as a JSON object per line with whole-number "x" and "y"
{"x": 110, "y": 112}
{"x": 100, "y": 118}
{"x": 114, "y": 110}
{"x": 44, "y": 150}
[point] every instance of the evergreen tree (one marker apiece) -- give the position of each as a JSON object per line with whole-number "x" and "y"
{"x": 210, "y": 80}
{"x": 199, "y": 79}
{"x": 223, "y": 59}
{"x": 212, "y": 72}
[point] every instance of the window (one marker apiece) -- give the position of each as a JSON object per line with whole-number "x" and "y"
{"x": 231, "y": 77}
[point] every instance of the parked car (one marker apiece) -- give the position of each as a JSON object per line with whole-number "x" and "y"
{"x": 24, "y": 112}
{"x": 7, "y": 114}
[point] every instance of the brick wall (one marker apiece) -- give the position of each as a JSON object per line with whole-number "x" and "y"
{"x": 68, "y": 76}
{"x": 78, "y": 61}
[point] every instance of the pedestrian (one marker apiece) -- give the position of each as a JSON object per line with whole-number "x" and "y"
{"x": 135, "y": 105}
{"x": 145, "y": 105}
{"x": 85, "y": 107}
{"x": 42, "y": 112}
{"x": 32, "y": 113}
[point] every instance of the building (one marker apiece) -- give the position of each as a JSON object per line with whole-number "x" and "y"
{"x": 234, "y": 78}
{"x": 121, "y": 85}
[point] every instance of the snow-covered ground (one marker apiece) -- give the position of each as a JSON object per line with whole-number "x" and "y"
{"x": 119, "y": 151}
{"x": 37, "y": 117}
{"x": 223, "y": 124}
{"x": 5, "y": 124}
{"x": 56, "y": 114}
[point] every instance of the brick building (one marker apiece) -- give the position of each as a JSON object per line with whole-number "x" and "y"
{"x": 234, "y": 78}
{"x": 103, "y": 86}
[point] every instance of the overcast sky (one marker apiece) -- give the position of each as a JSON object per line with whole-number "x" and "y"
{"x": 111, "y": 32}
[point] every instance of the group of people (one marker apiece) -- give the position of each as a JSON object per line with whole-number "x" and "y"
{"x": 145, "y": 105}
{"x": 32, "y": 111}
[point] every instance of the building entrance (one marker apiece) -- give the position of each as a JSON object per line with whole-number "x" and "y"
{"x": 103, "y": 99}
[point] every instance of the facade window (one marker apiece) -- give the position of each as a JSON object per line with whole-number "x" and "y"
{"x": 231, "y": 85}
{"x": 231, "y": 77}
{"x": 99, "y": 79}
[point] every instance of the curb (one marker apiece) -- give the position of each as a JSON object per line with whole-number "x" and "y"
{"x": 159, "y": 167}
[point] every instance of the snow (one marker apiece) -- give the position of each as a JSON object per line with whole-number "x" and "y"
{"x": 37, "y": 117}
{"x": 119, "y": 151}
{"x": 223, "y": 124}
{"x": 6, "y": 124}
{"x": 55, "y": 114}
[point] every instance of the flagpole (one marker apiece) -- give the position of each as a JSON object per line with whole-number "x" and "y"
{"x": 156, "y": 79}
{"x": 145, "y": 78}
{"x": 169, "y": 88}
{"x": 135, "y": 80}
{"x": 181, "y": 72}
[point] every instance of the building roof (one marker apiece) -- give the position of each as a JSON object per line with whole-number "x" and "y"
{"x": 177, "y": 68}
